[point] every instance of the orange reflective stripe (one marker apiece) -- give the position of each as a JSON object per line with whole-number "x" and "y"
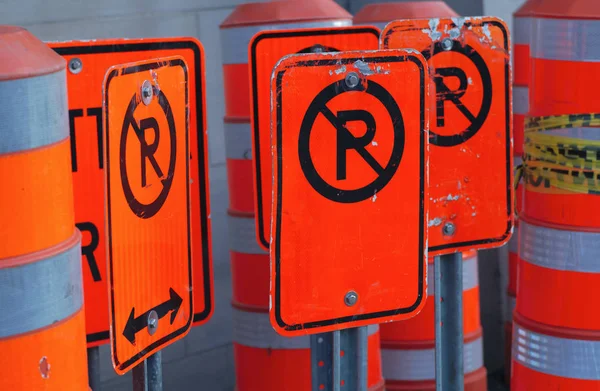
{"x": 36, "y": 198}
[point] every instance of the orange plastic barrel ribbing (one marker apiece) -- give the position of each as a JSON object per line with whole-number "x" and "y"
{"x": 408, "y": 346}
{"x": 42, "y": 329}
{"x": 380, "y": 14}
{"x": 565, "y": 67}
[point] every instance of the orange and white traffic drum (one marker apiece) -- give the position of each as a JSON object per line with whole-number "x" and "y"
{"x": 42, "y": 328}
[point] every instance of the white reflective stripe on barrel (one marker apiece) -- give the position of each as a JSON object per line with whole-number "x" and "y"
{"x": 238, "y": 140}
{"x": 520, "y": 100}
{"x": 242, "y": 237}
{"x": 522, "y": 31}
{"x": 33, "y": 112}
{"x": 235, "y": 40}
{"x": 39, "y": 293}
{"x": 513, "y": 243}
{"x": 562, "y": 357}
{"x": 583, "y": 133}
{"x": 558, "y": 249}
{"x": 419, "y": 364}
{"x": 254, "y": 329}
{"x": 566, "y": 40}
{"x": 470, "y": 276}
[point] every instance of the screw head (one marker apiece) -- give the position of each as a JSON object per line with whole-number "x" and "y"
{"x": 447, "y": 44}
{"x": 147, "y": 92}
{"x": 352, "y": 79}
{"x": 75, "y": 65}
{"x": 448, "y": 229}
{"x": 351, "y": 298}
{"x": 152, "y": 322}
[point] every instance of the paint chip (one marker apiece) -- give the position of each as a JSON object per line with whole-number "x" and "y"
{"x": 44, "y": 366}
{"x": 435, "y": 222}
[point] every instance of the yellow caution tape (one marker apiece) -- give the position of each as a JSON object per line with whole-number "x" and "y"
{"x": 562, "y": 162}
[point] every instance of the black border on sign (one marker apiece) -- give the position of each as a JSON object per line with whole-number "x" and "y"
{"x": 421, "y": 260}
{"x": 87, "y": 49}
{"x": 156, "y": 344}
{"x": 509, "y": 223}
{"x": 255, "y": 131}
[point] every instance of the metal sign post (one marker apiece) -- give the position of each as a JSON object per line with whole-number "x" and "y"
{"x": 93, "y": 357}
{"x": 339, "y": 360}
{"x": 147, "y": 375}
{"x": 448, "y": 281}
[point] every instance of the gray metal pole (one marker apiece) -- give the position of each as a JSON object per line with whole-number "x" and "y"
{"x": 449, "y": 366}
{"x": 93, "y": 357}
{"x": 336, "y": 362}
{"x": 339, "y": 360}
{"x": 362, "y": 358}
{"x": 147, "y": 376}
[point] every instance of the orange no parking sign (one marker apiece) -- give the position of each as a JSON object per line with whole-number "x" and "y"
{"x": 471, "y": 193}
{"x": 88, "y": 62}
{"x": 266, "y": 49}
{"x": 148, "y": 207}
{"x": 350, "y": 174}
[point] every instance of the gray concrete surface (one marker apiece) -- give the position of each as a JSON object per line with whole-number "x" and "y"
{"x": 204, "y": 359}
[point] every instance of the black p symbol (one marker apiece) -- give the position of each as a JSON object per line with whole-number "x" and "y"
{"x": 147, "y": 151}
{"x": 444, "y": 93}
{"x": 346, "y": 140}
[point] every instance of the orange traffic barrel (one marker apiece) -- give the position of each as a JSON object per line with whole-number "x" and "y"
{"x": 565, "y": 67}
{"x": 553, "y": 358}
{"x": 236, "y": 31}
{"x": 264, "y": 360}
{"x": 408, "y": 347}
{"x": 380, "y": 14}
{"x": 42, "y": 329}
{"x": 559, "y": 271}
{"x": 521, "y": 37}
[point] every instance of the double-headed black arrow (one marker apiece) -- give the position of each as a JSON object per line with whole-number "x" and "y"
{"x": 135, "y": 325}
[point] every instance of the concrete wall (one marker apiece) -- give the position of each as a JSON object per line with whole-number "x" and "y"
{"x": 204, "y": 359}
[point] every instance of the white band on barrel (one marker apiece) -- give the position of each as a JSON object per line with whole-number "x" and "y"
{"x": 562, "y": 357}
{"x": 566, "y": 40}
{"x": 242, "y": 237}
{"x": 33, "y": 112}
{"x": 235, "y": 40}
{"x": 559, "y": 249}
{"x": 419, "y": 364}
{"x": 470, "y": 276}
{"x": 253, "y": 329}
{"x": 39, "y": 293}
{"x": 238, "y": 141}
